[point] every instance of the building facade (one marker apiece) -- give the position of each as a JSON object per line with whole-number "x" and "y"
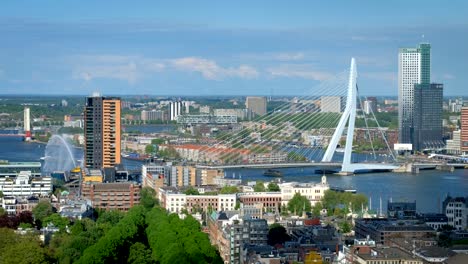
{"x": 26, "y": 184}
{"x": 464, "y": 130}
{"x": 102, "y": 132}
{"x": 426, "y": 131}
{"x": 256, "y": 105}
{"x": 153, "y": 115}
{"x": 413, "y": 68}
{"x": 456, "y": 210}
{"x": 112, "y": 196}
{"x": 332, "y": 104}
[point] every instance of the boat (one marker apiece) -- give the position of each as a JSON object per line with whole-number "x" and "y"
{"x": 273, "y": 173}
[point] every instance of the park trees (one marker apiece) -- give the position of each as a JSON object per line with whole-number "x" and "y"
{"x": 299, "y": 204}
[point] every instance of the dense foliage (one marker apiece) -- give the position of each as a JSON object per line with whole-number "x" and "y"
{"x": 277, "y": 235}
{"x": 298, "y": 204}
{"x": 174, "y": 240}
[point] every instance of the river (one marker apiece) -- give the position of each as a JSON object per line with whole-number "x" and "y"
{"x": 428, "y": 188}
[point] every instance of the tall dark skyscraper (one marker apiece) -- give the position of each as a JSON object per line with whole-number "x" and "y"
{"x": 102, "y": 132}
{"x": 426, "y": 131}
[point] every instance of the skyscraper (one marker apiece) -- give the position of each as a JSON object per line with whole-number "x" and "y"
{"x": 414, "y": 67}
{"x": 102, "y": 132}
{"x": 256, "y": 105}
{"x": 426, "y": 131}
{"x": 464, "y": 130}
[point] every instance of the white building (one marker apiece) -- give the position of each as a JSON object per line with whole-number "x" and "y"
{"x": 313, "y": 192}
{"x": 454, "y": 144}
{"x": 332, "y": 104}
{"x": 24, "y": 184}
{"x": 456, "y": 210}
{"x": 175, "y": 109}
{"x": 175, "y": 202}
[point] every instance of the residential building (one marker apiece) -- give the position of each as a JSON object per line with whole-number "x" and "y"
{"x": 112, "y": 196}
{"x": 464, "y": 130}
{"x": 153, "y": 115}
{"x": 155, "y": 176}
{"x": 270, "y": 201}
{"x": 239, "y": 113}
{"x": 175, "y": 110}
{"x": 102, "y": 132}
{"x": 332, "y": 104}
{"x": 456, "y": 210}
{"x": 426, "y": 130}
{"x": 25, "y": 184}
{"x": 454, "y": 145}
{"x": 384, "y": 231}
{"x": 384, "y": 255}
{"x": 401, "y": 210}
{"x": 256, "y": 105}
{"x": 414, "y": 67}
{"x": 436, "y": 221}
{"x": 76, "y": 209}
{"x": 13, "y": 205}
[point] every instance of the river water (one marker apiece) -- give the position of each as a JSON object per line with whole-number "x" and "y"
{"x": 428, "y": 188}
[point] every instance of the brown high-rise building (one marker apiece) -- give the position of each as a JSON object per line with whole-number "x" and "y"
{"x": 102, "y": 132}
{"x": 256, "y": 105}
{"x": 464, "y": 130}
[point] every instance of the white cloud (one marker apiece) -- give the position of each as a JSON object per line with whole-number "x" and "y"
{"x": 128, "y": 68}
{"x": 274, "y": 56}
{"x": 304, "y": 71}
{"x": 211, "y": 70}
{"x": 446, "y": 76}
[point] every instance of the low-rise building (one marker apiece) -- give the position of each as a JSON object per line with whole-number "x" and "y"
{"x": 25, "y": 184}
{"x": 313, "y": 192}
{"x": 436, "y": 221}
{"x": 174, "y": 201}
{"x": 14, "y": 205}
{"x": 112, "y": 196}
{"x": 383, "y": 230}
{"x": 270, "y": 201}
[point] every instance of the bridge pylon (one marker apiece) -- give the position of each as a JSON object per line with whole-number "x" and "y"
{"x": 349, "y": 116}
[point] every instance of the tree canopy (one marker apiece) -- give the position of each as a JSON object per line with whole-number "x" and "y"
{"x": 298, "y": 204}
{"x": 273, "y": 187}
{"x": 277, "y": 235}
{"x": 259, "y": 186}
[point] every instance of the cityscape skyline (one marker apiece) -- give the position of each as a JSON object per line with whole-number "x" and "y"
{"x": 206, "y": 49}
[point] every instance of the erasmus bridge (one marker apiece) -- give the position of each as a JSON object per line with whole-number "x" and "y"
{"x": 261, "y": 144}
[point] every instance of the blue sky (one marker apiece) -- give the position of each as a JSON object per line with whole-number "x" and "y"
{"x": 223, "y": 47}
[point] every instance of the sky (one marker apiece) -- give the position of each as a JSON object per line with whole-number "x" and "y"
{"x": 223, "y": 47}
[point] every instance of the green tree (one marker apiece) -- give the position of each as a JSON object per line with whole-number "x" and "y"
{"x": 345, "y": 227}
{"x": 273, "y": 187}
{"x": 157, "y": 141}
{"x": 2, "y": 211}
{"x": 57, "y": 220}
{"x": 259, "y": 186}
{"x": 42, "y": 210}
{"x": 298, "y": 204}
{"x": 277, "y": 235}
{"x": 139, "y": 254}
{"x": 191, "y": 191}
{"x": 229, "y": 190}
{"x": 148, "y": 197}
{"x": 149, "y": 149}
